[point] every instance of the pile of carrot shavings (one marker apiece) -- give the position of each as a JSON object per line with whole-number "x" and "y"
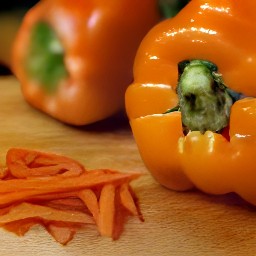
{"x": 59, "y": 194}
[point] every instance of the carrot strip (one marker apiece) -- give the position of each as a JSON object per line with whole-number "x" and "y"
{"x": 121, "y": 214}
{"x": 5, "y": 210}
{"x": 16, "y": 190}
{"x": 3, "y": 172}
{"x": 21, "y": 227}
{"x": 27, "y": 210}
{"x": 30, "y": 196}
{"x": 67, "y": 204}
{"x": 51, "y": 196}
{"x": 107, "y": 210}
{"x": 57, "y": 193}
{"x": 24, "y": 163}
{"x": 55, "y": 184}
{"x": 62, "y": 234}
{"x": 91, "y": 201}
{"x": 127, "y": 200}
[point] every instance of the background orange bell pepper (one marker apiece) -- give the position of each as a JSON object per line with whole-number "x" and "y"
{"x": 221, "y": 33}
{"x": 74, "y": 58}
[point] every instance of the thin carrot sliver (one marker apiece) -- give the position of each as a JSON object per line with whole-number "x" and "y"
{"x": 62, "y": 234}
{"x": 52, "y": 196}
{"x": 67, "y": 204}
{"x": 15, "y": 190}
{"x": 27, "y": 210}
{"x": 127, "y": 199}
{"x": 3, "y": 172}
{"x": 21, "y": 227}
{"x": 65, "y": 184}
{"x": 31, "y": 196}
{"x": 107, "y": 210}
{"x": 121, "y": 214}
{"x": 91, "y": 201}
{"x": 24, "y": 163}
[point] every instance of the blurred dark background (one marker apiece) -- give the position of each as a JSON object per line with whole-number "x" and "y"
{"x": 11, "y": 13}
{"x": 12, "y": 4}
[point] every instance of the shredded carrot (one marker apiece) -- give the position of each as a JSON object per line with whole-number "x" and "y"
{"x": 21, "y": 227}
{"x": 59, "y": 194}
{"x": 67, "y": 204}
{"x": 3, "y": 172}
{"x": 56, "y": 184}
{"x": 127, "y": 200}
{"x": 24, "y": 163}
{"x": 91, "y": 201}
{"x": 107, "y": 210}
{"x": 12, "y": 191}
{"x": 61, "y": 233}
{"x": 27, "y": 210}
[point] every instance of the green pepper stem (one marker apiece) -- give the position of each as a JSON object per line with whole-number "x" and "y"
{"x": 204, "y": 100}
{"x": 45, "y": 58}
{"x": 169, "y": 8}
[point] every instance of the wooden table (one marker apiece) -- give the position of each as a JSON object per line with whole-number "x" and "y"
{"x": 190, "y": 223}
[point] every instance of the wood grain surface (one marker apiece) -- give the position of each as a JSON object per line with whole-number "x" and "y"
{"x": 190, "y": 223}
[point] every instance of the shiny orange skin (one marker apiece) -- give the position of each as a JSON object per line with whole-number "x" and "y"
{"x": 223, "y": 32}
{"x": 100, "y": 39}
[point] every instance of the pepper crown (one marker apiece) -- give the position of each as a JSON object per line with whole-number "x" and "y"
{"x": 204, "y": 100}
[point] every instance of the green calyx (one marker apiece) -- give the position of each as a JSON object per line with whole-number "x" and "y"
{"x": 204, "y": 100}
{"x": 44, "y": 62}
{"x": 169, "y": 8}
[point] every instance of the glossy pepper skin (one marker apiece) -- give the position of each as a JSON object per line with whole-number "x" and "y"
{"x": 224, "y": 33}
{"x": 93, "y": 47}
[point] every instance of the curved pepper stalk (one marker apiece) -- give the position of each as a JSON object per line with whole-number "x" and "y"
{"x": 209, "y": 160}
{"x": 169, "y": 8}
{"x": 74, "y": 58}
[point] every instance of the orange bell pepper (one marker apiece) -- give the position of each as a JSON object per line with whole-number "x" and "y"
{"x": 74, "y": 58}
{"x": 189, "y": 105}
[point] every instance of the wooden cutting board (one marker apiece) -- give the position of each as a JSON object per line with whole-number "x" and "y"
{"x": 189, "y": 223}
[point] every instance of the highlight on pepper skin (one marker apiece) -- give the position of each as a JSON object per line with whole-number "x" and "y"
{"x": 198, "y": 128}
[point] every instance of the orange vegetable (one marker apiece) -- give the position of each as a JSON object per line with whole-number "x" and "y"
{"x": 91, "y": 201}
{"x": 61, "y": 203}
{"x": 66, "y": 203}
{"x": 28, "y": 210}
{"x": 62, "y": 233}
{"x": 21, "y": 227}
{"x": 191, "y": 75}
{"x": 107, "y": 210}
{"x": 28, "y": 163}
{"x": 74, "y": 58}
{"x": 128, "y": 200}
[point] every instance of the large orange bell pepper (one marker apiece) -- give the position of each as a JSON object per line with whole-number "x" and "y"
{"x": 74, "y": 58}
{"x": 189, "y": 105}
